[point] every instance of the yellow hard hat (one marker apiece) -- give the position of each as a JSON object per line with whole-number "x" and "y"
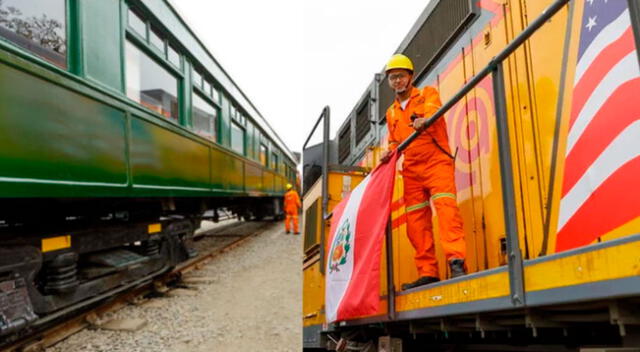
{"x": 399, "y": 61}
{"x": 289, "y": 186}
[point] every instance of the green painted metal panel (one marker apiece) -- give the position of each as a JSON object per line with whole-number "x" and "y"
{"x": 55, "y": 139}
{"x": 225, "y": 123}
{"x": 101, "y": 41}
{"x": 253, "y": 177}
{"x": 268, "y": 181}
{"x": 164, "y": 160}
{"x": 227, "y": 171}
{"x": 249, "y": 140}
{"x": 256, "y": 143}
{"x": 186, "y": 89}
{"x": 279, "y": 184}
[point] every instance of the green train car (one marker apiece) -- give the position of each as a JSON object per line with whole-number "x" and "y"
{"x": 118, "y": 131}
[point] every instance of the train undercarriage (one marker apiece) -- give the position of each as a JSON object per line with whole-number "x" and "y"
{"x": 60, "y": 255}
{"x": 598, "y": 326}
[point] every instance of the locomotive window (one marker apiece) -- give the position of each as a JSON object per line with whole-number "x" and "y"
{"x": 263, "y": 154}
{"x": 38, "y": 26}
{"x": 156, "y": 40}
{"x": 173, "y": 56}
{"x": 237, "y": 138}
{"x": 204, "y": 117}
{"x": 149, "y": 84}
{"x": 137, "y": 24}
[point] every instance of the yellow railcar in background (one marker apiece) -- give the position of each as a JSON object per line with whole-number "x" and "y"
{"x": 541, "y": 112}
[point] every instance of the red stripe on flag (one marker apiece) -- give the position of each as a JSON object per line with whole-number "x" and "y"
{"x": 616, "y": 114}
{"x": 362, "y": 295}
{"x": 601, "y": 65}
{"x": 618, "y": 196}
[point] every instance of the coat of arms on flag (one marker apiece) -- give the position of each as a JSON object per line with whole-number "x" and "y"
{"x": 356, "y": 236}
{"x": 340, "y": 247}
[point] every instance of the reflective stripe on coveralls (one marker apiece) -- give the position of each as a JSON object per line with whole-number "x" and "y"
{"x": 428, "y": 175}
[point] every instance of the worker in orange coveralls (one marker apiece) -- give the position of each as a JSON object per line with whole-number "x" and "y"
{"x": 291, "y": 206}
{"x": 427, "y": 172}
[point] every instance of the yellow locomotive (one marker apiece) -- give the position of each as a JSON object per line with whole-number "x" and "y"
{"x": 539, "y": 101}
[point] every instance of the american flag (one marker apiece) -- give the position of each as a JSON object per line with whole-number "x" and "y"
{"x": 601, "y": 190}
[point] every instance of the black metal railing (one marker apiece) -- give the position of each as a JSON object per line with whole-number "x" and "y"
{"x": 325, "y": 116}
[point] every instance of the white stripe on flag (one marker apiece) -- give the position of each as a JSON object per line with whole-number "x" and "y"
{"x": 338, "y": 281}
{"x": 623, "y": 71}
{"x": 607, "y": 36}
{"x": 622, "y": 150}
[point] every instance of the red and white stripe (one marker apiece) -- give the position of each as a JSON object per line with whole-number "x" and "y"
{"x": 603, "y": 141}
{"x": 353, "y": 290}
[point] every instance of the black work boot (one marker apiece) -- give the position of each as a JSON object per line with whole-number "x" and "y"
{"x": 457, "y": 268}
{"x": 424, "y": 280}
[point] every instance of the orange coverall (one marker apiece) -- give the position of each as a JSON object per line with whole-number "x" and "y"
{"x": 428, "y": 175}
{"x": 291, "y": 206}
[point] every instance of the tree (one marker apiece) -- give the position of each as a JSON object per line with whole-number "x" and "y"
{"x": 43, "y": 30}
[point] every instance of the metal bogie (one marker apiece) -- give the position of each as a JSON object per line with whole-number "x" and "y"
{"x": 103, "y": 184}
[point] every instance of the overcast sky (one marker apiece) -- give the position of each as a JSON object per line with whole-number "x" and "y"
{"x": 293, "y": 57}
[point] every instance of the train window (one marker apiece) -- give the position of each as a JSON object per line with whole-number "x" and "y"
{"x": 37, "y": 26}
{"x": 197, "y": 79}
{"x": 204, "y": 117}
{"x": 237, "y": 138}
{"x": 173, "y": 56}
{"x": 274, "y": 161}
{"x": 156, "y": 40}
{"x": 263, "y": 155}
{"x": 207, "y": 88}
{"x": 149, "y": 84}
{"x": 216, "y": 95}
{"x": 137, "y": 24}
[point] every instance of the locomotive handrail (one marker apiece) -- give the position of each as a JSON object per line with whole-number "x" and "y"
{"x": 326, "y": 117}
{"x": 494, "y": 67}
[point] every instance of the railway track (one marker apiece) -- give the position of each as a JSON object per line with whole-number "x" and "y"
{"x": 210, "y": 243}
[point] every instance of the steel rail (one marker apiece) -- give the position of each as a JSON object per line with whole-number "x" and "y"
{"x": 117, "y": 299}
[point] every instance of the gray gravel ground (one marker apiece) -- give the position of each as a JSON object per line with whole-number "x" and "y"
{"x": 250, "y": 301}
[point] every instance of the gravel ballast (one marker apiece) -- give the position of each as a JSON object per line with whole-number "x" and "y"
{"x": 247, "y": 299}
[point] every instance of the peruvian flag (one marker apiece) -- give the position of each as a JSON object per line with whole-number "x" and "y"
{"x": 355, "y": 246}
